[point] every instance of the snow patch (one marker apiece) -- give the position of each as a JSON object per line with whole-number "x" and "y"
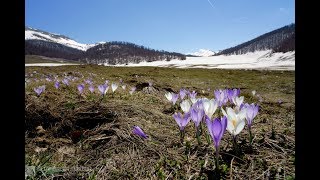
{"x": 253, "y": 60}
{"x": 203, "y": 53}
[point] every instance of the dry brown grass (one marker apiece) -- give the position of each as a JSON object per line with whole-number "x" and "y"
{"x": 90, "y": 139}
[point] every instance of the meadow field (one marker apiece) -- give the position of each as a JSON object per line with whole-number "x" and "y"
{"x": 72, "y": 134}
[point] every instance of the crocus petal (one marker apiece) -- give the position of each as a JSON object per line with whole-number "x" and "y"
{"x": 91, "y": 88}
{"x": 196, "y": 115}
{"x": 138, "y": 131}
{"x": 185, "y": 106}
{"x": 209, "y": 125}
{"x": 224, "y": 123}
{"x": 231, "y": 114}
{"x": 185, "y": 120}
{"x": 174, "y": 98}
{"x": 239, "y": 127}
{"x": 168, "y": 96}
{"x": 178, "y": 118}
{"x": 182, "y": 93}
{"x": 114, "y": 87}
{"x": 216, "y": 128}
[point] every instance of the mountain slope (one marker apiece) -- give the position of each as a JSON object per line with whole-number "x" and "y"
{"x": 274, "y": 40}
{"x": 52, "y": 49}
{"x": 42, "y": 43}
{"x": 35, "y": 34}
{"x": 124, "y": 52}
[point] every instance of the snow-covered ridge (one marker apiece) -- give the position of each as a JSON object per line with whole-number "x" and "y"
{"x": 31, "y": 33}
{"x": 203, "y": 53}
{"x": 252, "y": 60}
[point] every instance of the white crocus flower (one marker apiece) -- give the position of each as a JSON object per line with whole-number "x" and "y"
{"x": 254, "y": 92}
{"x": 193, "y": 100}
{"x": 114, "y": 86}
{"x": 185, "y": 105}
{"x": 168, "y": 96}
{"x": 123, "y": 87}
{"x": 210, "y": 106}
{"x": 236, "y": 121}
{"x": 238, "y": 101}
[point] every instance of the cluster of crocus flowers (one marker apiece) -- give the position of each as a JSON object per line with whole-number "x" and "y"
{"x": 202, "y": 109}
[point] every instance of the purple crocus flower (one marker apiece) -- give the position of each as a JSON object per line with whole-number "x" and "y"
{"x": 196, "y": 115}
{"x": 48, "y": 79}
{"x": 216, "y": 129}
{"x": 221, "y": 97}
{"x": 183, "y": 93}
{"x": 39, "y": 90}
{"x": 237, "y": 92}
{"x": 182, "y": 120}
{"x": 174, "y": 98}
{"x": 192, "y": 96}
{"x": 80, "y": 88}
{"x": 91, "y": 88}
{"x": 232, "y": 93}
{"x": 107, "y": 82}
{"x": 103, "y": 89}
{"x": 65, "y": 81}
{"x": 238, "y": 100}
{"x": 138, "y": 131}
{"x": 251, "y": 112}
{"x": 57, "y": 84}
{"x": 88, "y": 81}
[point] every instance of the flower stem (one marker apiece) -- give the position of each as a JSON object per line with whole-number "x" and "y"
{"x": 217, "y": 158}
{"x": 181, "y": 136}
{"x": 250, "y": 136}
{"x": 235, "y": 146}
{"x": 198, "y": 136}
{"x": 201, "y": 128}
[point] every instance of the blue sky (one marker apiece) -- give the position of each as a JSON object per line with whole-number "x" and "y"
{"x": 173, "y": 25}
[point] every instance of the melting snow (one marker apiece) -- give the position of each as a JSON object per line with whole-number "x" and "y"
{"x": 203, "y": 52}
{"x": 256, "y": 60}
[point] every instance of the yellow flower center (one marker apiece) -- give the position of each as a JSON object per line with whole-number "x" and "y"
{"x": 234, "y": 122}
